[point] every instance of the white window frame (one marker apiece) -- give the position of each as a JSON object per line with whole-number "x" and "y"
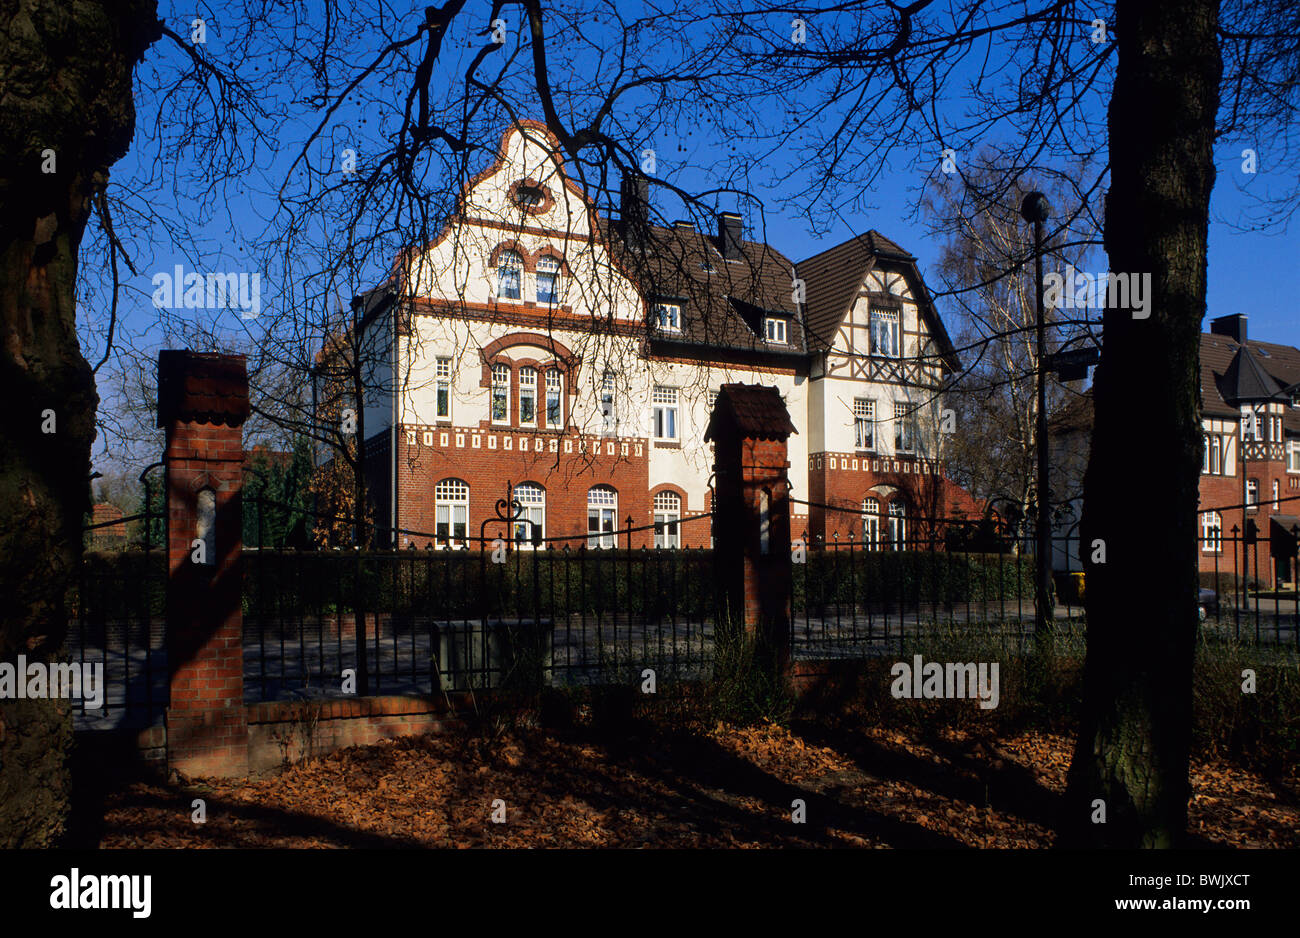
{"x": 602, "y": 509}
{"x": 886, "y": 331}
{"x": 1277, "y": 494}
{"x": 1293, "y": 456}
{"x": 532, "y": 498}
{"x": 554, "y": 392}
{"x": 510, "y": 273}
{"x": 608, "y": 403}
{"x": 451, "y": 509}
{"x": 871, "y": 523}
{"x": 1252, "y": 494}
{"x": 500, "y": 387}
{"x": 864, "y": 418}
{"x": 667, "y": 317}
{"x": 527, "y": 392}
{"x": 442, "y": 391}
{"x": 667, "y": 519}
{"x": 774, "y": 329}
{"x": 1211, "y": 532}
{"x": 548, "y": 267}
{"x": 897, "y": 525}
{"x": 904, "y": 428}
{"x": 1246, "y": 435}
{"x": 664, "y": 412}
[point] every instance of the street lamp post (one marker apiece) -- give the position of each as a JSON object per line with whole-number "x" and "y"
{"x": 1034, "y": 209}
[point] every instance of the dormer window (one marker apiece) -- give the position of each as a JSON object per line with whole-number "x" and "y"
{"x": 667, "y": 317}
{"x": 774, "y": 329}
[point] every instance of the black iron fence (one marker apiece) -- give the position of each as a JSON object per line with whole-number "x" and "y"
{"x": 479, "y": 611}
{"x": 117, "y": 608}
{"x": 505, "y": 608}
{"x": 890, "y": 577}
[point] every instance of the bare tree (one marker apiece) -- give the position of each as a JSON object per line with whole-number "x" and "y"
{"x": 873, "y": 88}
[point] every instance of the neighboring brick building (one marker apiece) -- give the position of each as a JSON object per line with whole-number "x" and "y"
{"x": 1235, "y": 368}
{"x": 576, "y": 359}
{"x": 111, "y": 536}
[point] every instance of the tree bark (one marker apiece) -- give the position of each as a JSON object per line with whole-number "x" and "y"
{"x": 1133, "y": 747}
{"x": 65, "y": 95}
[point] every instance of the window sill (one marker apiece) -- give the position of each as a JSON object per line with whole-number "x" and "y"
{"x": 668, "y": 444}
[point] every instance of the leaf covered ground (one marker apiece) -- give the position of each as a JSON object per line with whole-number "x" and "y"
{"x": 728, "y": 787}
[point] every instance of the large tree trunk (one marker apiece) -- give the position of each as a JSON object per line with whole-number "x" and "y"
{"x": 1133, "y": 747}
{"x": 65, "y": 88}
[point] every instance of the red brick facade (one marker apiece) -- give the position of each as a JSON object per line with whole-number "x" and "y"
{"x": 565, "y": 465}
{"x": 845, "y": 480}
{"x": 1275, "y": 561}
{"x": 202, "y": 404}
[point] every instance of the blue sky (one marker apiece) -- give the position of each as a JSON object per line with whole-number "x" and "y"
{"x": 1256, "y": 272}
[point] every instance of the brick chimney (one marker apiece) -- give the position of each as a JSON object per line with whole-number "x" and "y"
{"x": 1234, "y": 327}
{"x": 634, "y": 208}
{"x": 730, "y": 235}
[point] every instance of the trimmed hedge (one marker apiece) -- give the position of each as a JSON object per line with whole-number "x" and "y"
{"x": 466, "y": 584}
{"x": 903, "y": 577}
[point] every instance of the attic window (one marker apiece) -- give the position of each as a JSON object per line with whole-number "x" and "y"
{"x": 530, "y": 196}
{"x": 774, "y": 329}
{"x": 667, "y": 317}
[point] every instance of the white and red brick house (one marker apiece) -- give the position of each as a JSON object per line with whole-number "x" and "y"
{"x": 539, "y": 345}
{"x": 1252, "y": 452}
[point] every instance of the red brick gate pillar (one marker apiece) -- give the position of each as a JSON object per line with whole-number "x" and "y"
{"x": 749, "y": 429}
{"x": 202, "y": 404}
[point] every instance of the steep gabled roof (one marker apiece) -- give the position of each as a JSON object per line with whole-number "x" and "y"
{"x": 723, "y": 301}
{"x": 833, "y": 278}
{"x": 1231, "y": 371}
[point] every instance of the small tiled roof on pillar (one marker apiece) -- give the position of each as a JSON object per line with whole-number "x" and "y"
{"x": 204, "y": 387}
{"x": 756, "y": 411}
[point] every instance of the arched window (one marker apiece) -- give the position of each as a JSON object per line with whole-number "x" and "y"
{"x": 510, "y": 269}
{"x": 532, "y": 497}
{"x": 548, "y": 279}
{"x": 897, "y": 525}
{"x": 500, "y": 393}
{"x": 871, "y": 523}
{"x": 1211, "y": 532}
{"x": 554, "y": 399}
{"x": 451, "y": 512}
{"x": 528, "y": 396}
{"x": 667, "y": 512}
{"x": 602, "y": 516}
